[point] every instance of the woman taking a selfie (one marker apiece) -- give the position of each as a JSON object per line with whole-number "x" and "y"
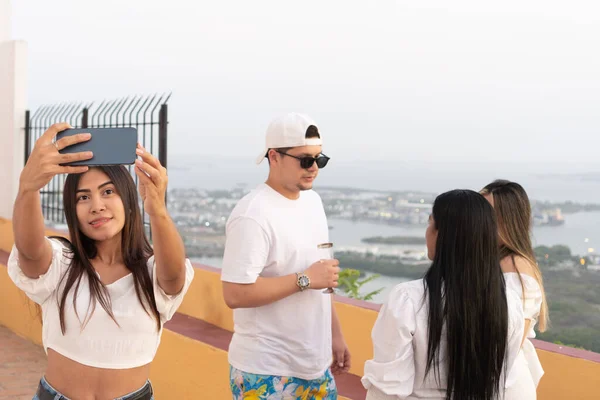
{"x": 106, "y": 293}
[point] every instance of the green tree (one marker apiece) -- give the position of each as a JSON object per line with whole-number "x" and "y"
{"x": 350, "y": 282}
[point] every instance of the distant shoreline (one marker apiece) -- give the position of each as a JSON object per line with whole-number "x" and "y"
{"x": 392, "y": 240}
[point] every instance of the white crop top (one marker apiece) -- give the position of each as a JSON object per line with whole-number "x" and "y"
{"x": 101, "y": 342}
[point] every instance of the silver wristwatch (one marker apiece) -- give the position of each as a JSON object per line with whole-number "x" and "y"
{"x": 302, "y": 281}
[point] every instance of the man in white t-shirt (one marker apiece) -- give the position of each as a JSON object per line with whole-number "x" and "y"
{"x": 287, "y": 339}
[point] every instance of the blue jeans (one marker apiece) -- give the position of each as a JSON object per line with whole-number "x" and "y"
{"x": 45, "y": 386}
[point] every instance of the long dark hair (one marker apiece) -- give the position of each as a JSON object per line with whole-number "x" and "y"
{"x": 466, "y": 293}
{"x": 134, "y": 246}
{"x": 513, "y": 212}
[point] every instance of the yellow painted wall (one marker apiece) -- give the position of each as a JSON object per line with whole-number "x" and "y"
{"x": 188, "y": 369}
{"x": 568, "y": 378}
{"x": 357, "y": 324}
{"x": 185, "y": 368}
{"x": 17, "y": 312}
{"x": 7, "y": 238}
{"x": 204, "y": 300}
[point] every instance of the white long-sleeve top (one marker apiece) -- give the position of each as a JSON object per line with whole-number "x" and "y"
{"x": 400, "y": 338}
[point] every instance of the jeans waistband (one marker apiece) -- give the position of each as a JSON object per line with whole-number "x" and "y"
{"x": 47, "y": 392}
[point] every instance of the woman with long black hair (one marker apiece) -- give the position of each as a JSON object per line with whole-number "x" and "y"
{"x": 453, "y": 334}
{"x": 106, "y": 292}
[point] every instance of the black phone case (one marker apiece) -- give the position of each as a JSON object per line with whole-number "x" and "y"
{"x": 111, "y": 146}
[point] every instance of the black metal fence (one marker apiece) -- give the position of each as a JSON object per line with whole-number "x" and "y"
{"x": 146, "y": 113}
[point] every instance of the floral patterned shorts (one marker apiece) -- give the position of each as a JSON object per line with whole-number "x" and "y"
{"x": 246, "y": 386}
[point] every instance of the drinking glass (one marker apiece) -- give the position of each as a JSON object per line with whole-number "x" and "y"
{"x": 327, "y": 250}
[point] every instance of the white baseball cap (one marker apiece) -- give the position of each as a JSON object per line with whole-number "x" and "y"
{"x": 288, "y": 130}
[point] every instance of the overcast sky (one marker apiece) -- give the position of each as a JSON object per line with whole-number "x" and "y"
{"x": 439, "y": 81}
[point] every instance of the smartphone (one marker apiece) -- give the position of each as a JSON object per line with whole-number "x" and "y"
{"x": 111, "y": 146}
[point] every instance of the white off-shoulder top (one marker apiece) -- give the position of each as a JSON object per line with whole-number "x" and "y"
{"x": 100, "y": 342}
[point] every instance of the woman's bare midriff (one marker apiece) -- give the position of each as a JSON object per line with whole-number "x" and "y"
{"x": 81, "y": 382}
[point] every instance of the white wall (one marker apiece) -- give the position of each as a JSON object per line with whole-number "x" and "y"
{"x": 13, "y": 102}
{"x": 4, "y": 20}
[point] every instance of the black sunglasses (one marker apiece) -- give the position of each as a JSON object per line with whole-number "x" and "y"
{"x": 307, "y": 162}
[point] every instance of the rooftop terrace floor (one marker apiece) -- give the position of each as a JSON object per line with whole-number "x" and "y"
{"x": 22, "y": 364}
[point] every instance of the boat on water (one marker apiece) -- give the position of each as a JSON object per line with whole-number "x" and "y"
{"x": 552, "y": 217}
